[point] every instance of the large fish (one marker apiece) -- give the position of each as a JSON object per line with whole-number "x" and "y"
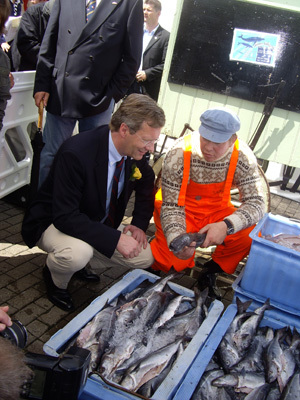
{"x": 206, "y": 391}
{"x": 254, "y": 360}
{"x": 259, "y": 393}
{"x": 273, "y": 356}
{"x": 285, "y": 239}
{"x": 227, "y": 350}
{"x": 170, "y": 311}
{"x": 185, "y": 239}
{"x": 186, "y": 324}
{"x": 244, "y": 336}
{"x": 243, "y": 382}
{"x": 96, "y": 334}
{"x": 159, "y": 285}
{"x": 150, "y": 367}
{"x": 292, "y": 389}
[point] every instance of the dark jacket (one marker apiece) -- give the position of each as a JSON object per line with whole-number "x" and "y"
{"x": 84, "y": 65}
{"x": 30, "y": 34}
{"x": 73, "y": 197}
{"x": 153, "y": 61}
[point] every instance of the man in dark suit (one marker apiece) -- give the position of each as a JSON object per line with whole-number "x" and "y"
{"x": 89, "y": 56}
{"x": 71, "y": 216}
{"x": 155, "y": 45}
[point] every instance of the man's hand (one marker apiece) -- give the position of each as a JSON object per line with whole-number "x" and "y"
{"x": 137, "y": 234}
{"x": 128, "y": 246}
{"x": 5, "y": 47}
{"x": 39, "y": 96}
{"x": 4, "y": 318}
{"x": 11, "y": 79}
{"x": 215, "y": 233}
{"x": 141, "y": 76}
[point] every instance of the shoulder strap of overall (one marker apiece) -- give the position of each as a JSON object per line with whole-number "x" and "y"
{"x": 186, "y": 168}
{"x": 231, "y": 172}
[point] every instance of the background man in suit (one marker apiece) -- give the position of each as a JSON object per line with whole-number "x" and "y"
{"x": 70, "y": 218}
{"x": 87, "y": 61}
{"x": 155, "y": 45}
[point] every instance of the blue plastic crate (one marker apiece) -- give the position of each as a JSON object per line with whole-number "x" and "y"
{"x": 276, "y": 315}
{"x": 273, "y": 271}
{"x": 193, "y": 376}
{"x": 96, "y": 388}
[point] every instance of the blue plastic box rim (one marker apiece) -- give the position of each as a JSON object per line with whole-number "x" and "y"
{"x": 170, "y": 384}
{"x": 291, "y": 226}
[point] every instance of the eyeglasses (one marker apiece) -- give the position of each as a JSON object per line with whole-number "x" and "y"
{"x": 147, "y": 142}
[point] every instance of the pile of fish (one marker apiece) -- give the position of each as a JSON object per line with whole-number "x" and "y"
{"x": 285, "y": 239}
{"x": 135, "y": 340}
{"x": 252, "y": 362}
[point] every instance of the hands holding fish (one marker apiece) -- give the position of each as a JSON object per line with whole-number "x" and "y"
{"x": 130, "y": 246}
{"x": 211, "y": 234}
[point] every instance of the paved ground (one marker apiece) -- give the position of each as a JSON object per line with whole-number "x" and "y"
{"x": 23, "y": 289}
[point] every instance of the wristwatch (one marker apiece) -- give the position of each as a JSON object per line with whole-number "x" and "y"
{"x": 230, "y": 229}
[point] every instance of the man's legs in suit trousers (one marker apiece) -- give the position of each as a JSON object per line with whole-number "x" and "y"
{"x": 67, "y": 255}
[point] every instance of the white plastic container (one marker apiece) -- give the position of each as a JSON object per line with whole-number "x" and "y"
{"x": 15, "y": 145}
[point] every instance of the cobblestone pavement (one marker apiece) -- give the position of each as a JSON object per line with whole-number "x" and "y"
{"x": 23, "y": 289}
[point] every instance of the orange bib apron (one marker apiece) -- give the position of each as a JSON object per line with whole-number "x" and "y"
{"x": 204, "y": 204}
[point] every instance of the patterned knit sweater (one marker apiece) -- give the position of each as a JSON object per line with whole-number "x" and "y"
{"x": 246, "y": 178}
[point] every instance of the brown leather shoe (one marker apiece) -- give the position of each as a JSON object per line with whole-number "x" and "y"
{"x": 59, "y": 297}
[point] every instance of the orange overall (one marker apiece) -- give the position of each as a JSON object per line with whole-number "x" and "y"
{"x": 204, "y": 204}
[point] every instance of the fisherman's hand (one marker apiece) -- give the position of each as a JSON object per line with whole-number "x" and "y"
{"x": 128, "y": 246}
{"x": 4, "y": 318}
{"x": 215, "y": 233}
{"x": 138, "y": 234}
{"x": 39, "y": 96}
{"x": 141, "y": 76}
{"x": 187, "y": 252}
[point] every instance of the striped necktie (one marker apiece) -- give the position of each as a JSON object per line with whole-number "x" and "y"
{"x": 90, "y": 8}
{"x": 114, "y": 194}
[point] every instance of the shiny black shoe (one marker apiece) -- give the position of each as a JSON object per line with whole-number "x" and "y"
{"x": 59, "y": 297}
{"x": 85, "y": 275}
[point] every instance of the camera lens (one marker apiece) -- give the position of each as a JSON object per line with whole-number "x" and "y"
{"x": 16, "y": 333}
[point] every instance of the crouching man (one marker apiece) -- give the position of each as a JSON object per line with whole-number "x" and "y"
{"x": 78, "y": 209}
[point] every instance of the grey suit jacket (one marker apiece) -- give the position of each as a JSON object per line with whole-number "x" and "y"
{"x": 84, "y": 65}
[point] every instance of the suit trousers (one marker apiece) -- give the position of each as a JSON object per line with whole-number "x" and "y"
{"x": 67, "y": 255}
{"x": 58, "y": 129}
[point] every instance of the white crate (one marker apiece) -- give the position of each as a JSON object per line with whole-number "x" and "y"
{"x": 16, "y": 155}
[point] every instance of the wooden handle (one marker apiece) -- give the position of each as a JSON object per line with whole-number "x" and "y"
{"x": 41, "y": 111}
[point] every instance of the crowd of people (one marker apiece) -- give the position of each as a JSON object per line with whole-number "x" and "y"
{"x": 90, "y": 55}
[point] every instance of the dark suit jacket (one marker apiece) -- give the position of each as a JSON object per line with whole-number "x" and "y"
{"x": 153, "y": 61}
{"x": 73, "y": 197}
{"x": 27, "y": 42}
{"x": 84, "y": 65}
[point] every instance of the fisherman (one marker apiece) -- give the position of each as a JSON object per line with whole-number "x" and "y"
{"x": 197, "y": 176}
{"x": 78, "y": 208}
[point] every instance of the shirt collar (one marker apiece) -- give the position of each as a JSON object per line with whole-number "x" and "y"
{"x": 153, "y": 30}
{"x": 113, "y": 155}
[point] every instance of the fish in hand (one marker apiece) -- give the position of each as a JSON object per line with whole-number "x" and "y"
{"x": 185, "y": 239}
